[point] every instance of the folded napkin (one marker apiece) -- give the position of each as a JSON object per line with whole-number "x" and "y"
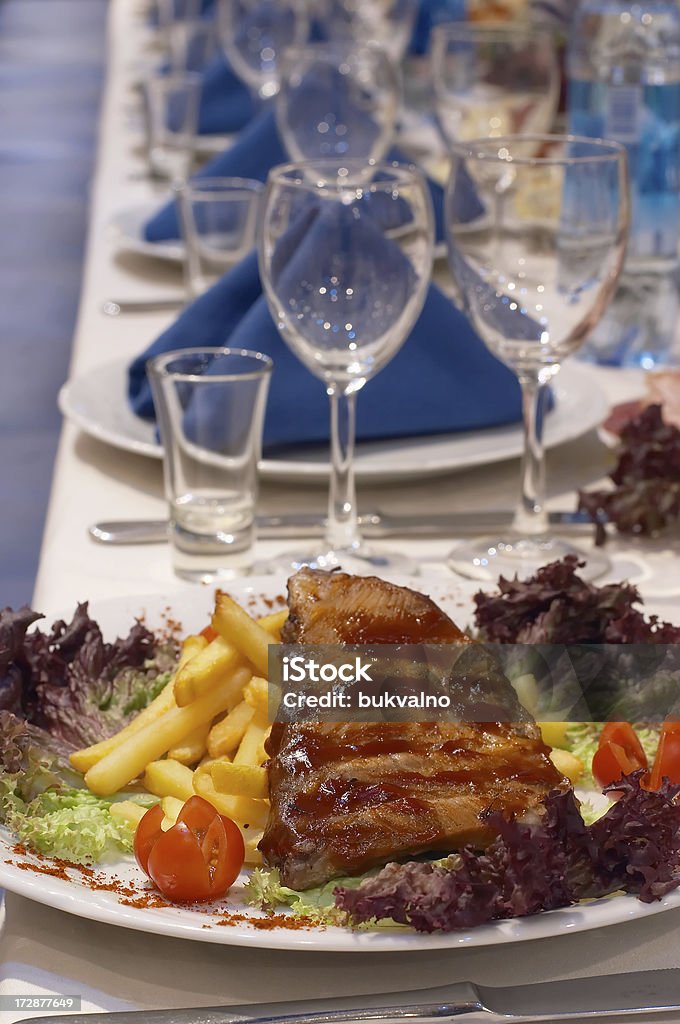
{"x": 258, "y": 149}
{"x": 443, "y": 379}
{"x": 226, "y": 103}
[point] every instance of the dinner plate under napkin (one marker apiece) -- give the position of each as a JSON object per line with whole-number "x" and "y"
{"x": 443, "y": 379}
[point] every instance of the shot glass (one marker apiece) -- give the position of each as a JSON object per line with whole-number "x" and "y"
{"x": 210, "y": 406}
{"x": 192, "y": 45}
{"x": 218, "y": 219}
{"x": 172, "y": 122}
{"x": 170, "y": 12}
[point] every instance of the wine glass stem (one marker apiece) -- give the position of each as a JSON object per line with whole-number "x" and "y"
{"x": 343, "y": 529}
{"x": 531, "y": 517}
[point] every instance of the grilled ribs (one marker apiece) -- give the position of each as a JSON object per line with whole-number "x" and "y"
{"x": 348, "y": 797}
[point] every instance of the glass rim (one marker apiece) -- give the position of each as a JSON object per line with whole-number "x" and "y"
{"x": 217, "y": 187}
{"x": 158, "y": 365}
{"x": 333, "y": 46}
{"x": 499, "y": 31}
{"x": 401, "y": 173}
{"x": 604, "y": 150}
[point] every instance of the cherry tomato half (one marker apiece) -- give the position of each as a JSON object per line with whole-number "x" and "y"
{"x": 197, "y": 859}
{"x": 667, "y": 760}
{"x": 209, "y": 633}
{"x": 619, "y": 753}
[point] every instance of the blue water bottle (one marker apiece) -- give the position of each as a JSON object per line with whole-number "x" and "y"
{"x": 624, "y": 84}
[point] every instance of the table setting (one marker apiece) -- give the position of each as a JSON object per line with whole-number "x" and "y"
{"x": 356, "y": 362}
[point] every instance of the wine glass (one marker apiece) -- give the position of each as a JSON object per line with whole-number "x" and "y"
{"x": 492, "y": 80}
{"x": 337, "y": 100}
{"x": 345, "y": 254}
{"x": 254, "y": 34}
{"x": 387, "y": 22}
{"x": 536, "y": 245}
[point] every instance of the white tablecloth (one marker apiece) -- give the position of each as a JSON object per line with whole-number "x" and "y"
{"x": 54, "y": 952}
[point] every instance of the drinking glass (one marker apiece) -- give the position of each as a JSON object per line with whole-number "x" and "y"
{"x": 387, "y": 22}
{"x": 172, "y": 121}
{"x": 492, "y": 80}
{"x": 536, "y": 245}
{"x": 171, "y": 12}
{"x": 192, "y": 45}
{"x": 210, "y": 407}
{"x": 337, "y": 100}
{"x": 254, "y": 34}
{"x": 345, "y": 254}
{"x": 218, "y": 218}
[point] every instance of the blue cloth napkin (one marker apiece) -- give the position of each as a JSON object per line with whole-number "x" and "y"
{"x": 258, "y": 149}
{"x": 431, "y": 13}
{"x": 443, "y": 379}
{"x": 226, "y": 103}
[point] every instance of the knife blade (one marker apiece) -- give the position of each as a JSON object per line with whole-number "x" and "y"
{"x": 374, "y": 525}
{"x": 611, "y": 996}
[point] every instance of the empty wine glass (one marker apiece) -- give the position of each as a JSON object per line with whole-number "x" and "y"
{"x": 254, "y": 34}
{"x": 337, "y": 100}
{"x": 492, "y": 80}
{"x": 536, "y": 246}
{"x": 345, "y": 255}
{"x": 387, "y": 22}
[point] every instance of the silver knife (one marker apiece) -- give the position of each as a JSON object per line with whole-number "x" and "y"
{"x": 116, "y": 307}
{"x": 610, "y": 996}
{"x": 374, "y": 525}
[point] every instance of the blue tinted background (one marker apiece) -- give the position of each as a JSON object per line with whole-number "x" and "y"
{"x": 51, "y": 69}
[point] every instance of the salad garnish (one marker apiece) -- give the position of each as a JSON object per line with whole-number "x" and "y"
{"x": 645, "y": 499}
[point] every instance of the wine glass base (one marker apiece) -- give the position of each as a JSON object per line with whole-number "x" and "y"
{"x": 487, "y": 558}
{"x": 360, "y": 561}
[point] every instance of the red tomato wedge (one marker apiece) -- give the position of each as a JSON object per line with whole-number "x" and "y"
{"x": 667, "y": 760}
{"x": 619, "y": 753}
{"x": 197, "y": 859}
{"x": 209, "y": 633}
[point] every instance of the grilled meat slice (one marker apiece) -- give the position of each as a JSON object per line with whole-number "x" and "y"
{"x": 347, "y": 797}
{"x": 334, "y": 608}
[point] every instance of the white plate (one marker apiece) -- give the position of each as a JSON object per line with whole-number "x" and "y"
{"x": 74, "y": 895}
{"x": 128, "y": 227}
{"x": 97, "y": 402}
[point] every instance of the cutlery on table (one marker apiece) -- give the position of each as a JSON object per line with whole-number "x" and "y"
{"x": 115, "y": 307}
{"x": 610, "y": 996}
{"x": 375, "y": 524}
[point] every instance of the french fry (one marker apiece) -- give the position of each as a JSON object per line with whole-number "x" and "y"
{"x": 171, "y": 808}
{"x": 205, "y": 787}
{"x": 192, "y": 749}
{"x": 568, "y": 764}
{"x": 246, "y": 812}
{"x": 128, "y": 811}
{"x": 273, "y": 623}
{"x": 130, "y": 758}
{"x": 235, "y": 626}
{"x": 225, "y": 736}
{"x": 83, "y": 760}
{"x": 169, "y": 778}
{"x": 240, "y": 779}
{"x": 256, "y": 693}
{"x": 218, "y": 659}
{"x": 251, "y": 839}
{"x": 251, "y": 748}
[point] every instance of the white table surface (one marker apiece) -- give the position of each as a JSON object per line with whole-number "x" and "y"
{"x": 43, "y": 950}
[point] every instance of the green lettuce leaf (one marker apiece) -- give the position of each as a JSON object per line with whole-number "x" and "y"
{"x": 73, "y": 825}
{"x": 43, "y": 800}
